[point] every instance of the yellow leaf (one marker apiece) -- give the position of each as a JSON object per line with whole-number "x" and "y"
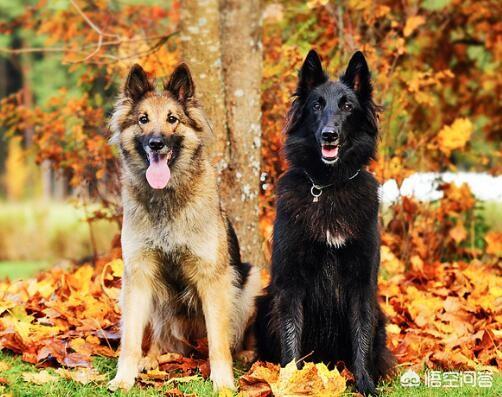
{"x": 225, "y": 392}
{"x": 393, "y": 329}
{"x": 82, "y": 375}
{"x": 4, "y": 366}
{"x": 390, "y": 262}
{"x": 412, "y": 23}
{"x": 417, "y": 264}
{"x": 311, "y": 380}
{"x": 39, "y": 378}
{"x": 455, "y": 136}
{"x": 117, "y": 267}
{"x": 333, "y": 384}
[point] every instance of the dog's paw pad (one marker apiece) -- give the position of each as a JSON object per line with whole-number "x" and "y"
{"x": 147, "y": 363}
{"x": 366, "y": 386}
{"x": 223, "y": 386}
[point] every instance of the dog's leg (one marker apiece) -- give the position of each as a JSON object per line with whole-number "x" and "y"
{"x": 217, "y": 299}
{"x": 288, "y": 305}
{"x": 136, "y": 305}
{"x": 151, "y": 360}
{"x": 362, "y": 321}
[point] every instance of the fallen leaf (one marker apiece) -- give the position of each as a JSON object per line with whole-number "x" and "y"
{"x": 455, "y": 136}
{"x": 264, "y": 379}
{"x": 494, "y": 243}
{"x": 412, "y": 23}
{"x": 39, "y": 378}
{"x": 4, "y": 366}
{"x": 82, "y": 375}
{"x": 174, "y": 393}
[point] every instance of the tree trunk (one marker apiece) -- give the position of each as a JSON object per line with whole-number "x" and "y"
{"x": 201, "y": 50}
{"x": 231, "y": 98}
{"x": 242, "y": 71}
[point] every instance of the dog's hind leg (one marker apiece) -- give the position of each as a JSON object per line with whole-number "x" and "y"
{"x": 136, "y": 305}
{"x": 151, "y": 360}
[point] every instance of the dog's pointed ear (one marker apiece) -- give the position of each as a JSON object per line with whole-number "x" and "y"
{"x": 311, "y": 74}
{"x": 358, "y": 76}
{"x": 180, "y": 84}
{"x": 137, "y": 83}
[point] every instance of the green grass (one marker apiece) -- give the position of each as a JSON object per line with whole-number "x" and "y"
{"x": 21, "y": 269}
{"x": 492, "y": 213}
{"x": 69, "y": 388}
{"x": 49, "y": 231}
{"x": 17, "y": 387}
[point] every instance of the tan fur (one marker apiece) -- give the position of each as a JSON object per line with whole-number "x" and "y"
{"x": 185, "y": 224}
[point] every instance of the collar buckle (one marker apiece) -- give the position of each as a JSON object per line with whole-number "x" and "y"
{"x": 316, "y": 192}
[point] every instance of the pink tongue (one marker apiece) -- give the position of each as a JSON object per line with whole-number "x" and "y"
{"x": 330, "y": 152}
{"x": 158, "y": 173}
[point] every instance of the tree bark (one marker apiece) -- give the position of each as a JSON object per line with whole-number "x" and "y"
{"x": 201, "y": 50}
{"x": 221, "y": 42}
{"x": 242, "y": 71}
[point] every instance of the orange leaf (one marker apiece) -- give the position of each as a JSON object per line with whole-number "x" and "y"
{"x": 412, "y": 23}
{"x": 494, "y": 243}
{"x": 458, "y": 233}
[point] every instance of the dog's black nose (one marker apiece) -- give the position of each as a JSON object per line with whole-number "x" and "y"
{"x": 329, "y": 136}
{"x": 156, "y": 143}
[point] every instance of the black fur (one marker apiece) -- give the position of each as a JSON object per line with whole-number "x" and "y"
{"x": 322, "y": 301}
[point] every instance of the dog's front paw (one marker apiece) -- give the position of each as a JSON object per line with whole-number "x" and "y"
{"x": 222, "y": 378}
{"x": 120, "y": 382}
{"x": 147, "y": 363}
{"x": 365, "y": 385}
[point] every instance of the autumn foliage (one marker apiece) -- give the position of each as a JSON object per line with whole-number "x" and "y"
{"x": 435, "y": 75}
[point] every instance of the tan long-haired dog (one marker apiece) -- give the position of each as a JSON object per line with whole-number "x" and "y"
{"x": 183, "y": 273}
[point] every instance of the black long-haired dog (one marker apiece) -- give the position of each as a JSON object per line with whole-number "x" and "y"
{"x": 322, "y": 301}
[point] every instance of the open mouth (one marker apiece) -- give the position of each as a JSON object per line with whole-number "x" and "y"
{"x": 158, "y": 173}
{"x": 329, "y": 153}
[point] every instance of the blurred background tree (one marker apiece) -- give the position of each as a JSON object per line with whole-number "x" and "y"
{"x": 435, "y": 64}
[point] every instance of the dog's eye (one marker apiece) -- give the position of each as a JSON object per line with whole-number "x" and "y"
{"x": 347, "y": 106}
{"x": 316, "y": 106}
{"x": 171, "y": 119}
{"x": 143, "y": 119}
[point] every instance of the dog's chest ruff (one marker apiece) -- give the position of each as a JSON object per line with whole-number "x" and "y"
{"x": 185, "y": 230}
{"x": 335, "y": 240}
